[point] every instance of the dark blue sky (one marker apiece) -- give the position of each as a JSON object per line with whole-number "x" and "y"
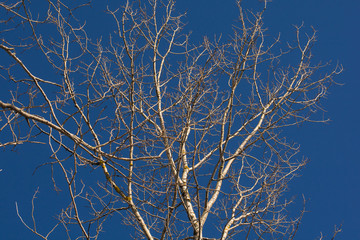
{"x": 330, "y": 182}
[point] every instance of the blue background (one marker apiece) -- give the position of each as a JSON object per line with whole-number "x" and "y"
{"x": 330, "y": 181}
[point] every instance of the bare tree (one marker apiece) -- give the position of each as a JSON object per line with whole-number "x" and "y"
{"x": 180, "y": 137}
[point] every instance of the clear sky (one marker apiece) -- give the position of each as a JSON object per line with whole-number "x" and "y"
{"x": 330, "y": 182}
